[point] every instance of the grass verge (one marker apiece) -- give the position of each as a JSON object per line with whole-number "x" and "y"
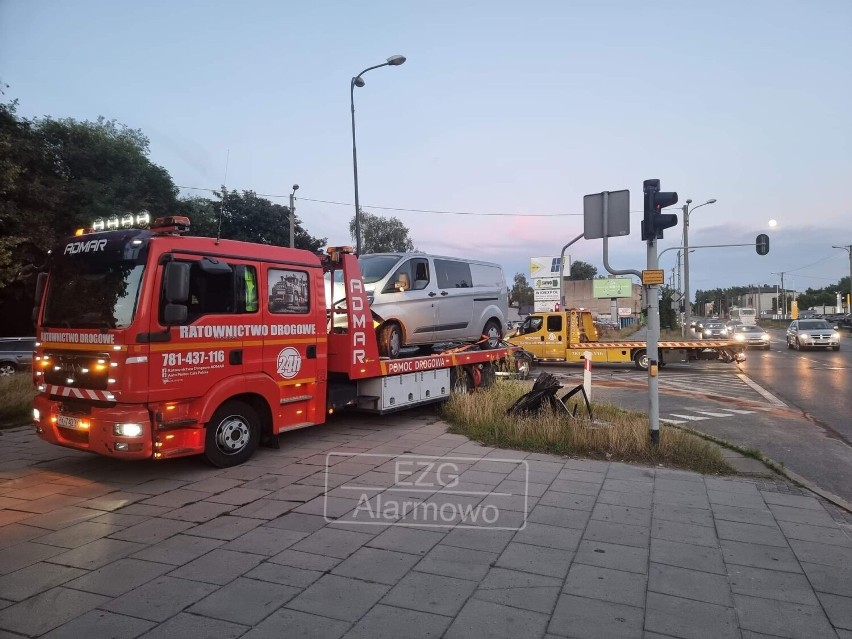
{"x": 16, "y": 396}
{"x": 614, "y": 434}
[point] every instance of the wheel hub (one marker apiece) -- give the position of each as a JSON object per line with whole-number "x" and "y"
{"x": 232, "y": 435}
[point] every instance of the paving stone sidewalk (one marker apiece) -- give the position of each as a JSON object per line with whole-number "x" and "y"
{"x": 92, "y": 547}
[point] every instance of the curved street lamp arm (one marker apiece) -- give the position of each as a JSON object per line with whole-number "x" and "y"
{"x": 383, "y": 64}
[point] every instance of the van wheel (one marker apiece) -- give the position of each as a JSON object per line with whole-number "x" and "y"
{"x": 493, "y": 332}
{"x": 640, "y": 359}
{"x": 233, "y": 434}
{"x": 7, "y": 370}
{"x": 390, "y": 340}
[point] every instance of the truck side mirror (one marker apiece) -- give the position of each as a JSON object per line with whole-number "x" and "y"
{"x": 176, "y": 283}
{"x": 175, "y": 314}
{"x": 39, "y": 293}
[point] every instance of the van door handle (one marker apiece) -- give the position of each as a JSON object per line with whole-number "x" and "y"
{"x": 432, "y": 294}
{"x": 444, "y": 293}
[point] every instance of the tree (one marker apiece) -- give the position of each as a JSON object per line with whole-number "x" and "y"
{"x": 582, "y": 271}
{"x": 522, "y": 292}
{"x": 381, "y": 234}
{"x": 60, "y": 175}
{"x": 668, "y": 316}
{"x": 246, "y": 217}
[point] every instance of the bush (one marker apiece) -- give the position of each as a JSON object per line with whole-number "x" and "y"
{"x": 614, "y": 434}
{"x": 16, "y": 396}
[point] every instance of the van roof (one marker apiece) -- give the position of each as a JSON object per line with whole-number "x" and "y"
{"x": 432, "y": 255}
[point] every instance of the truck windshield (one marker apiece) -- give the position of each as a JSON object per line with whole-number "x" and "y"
{"x": 375, "y": 267}
{"x": 92, "y": 294}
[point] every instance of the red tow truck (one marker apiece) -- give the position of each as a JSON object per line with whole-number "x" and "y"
{"x": 154, "y": 344}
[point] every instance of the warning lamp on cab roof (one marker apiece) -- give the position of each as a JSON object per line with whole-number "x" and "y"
{"x": 171, "y": 224}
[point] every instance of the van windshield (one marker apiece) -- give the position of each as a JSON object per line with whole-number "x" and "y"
{"x": 375, "y": 267}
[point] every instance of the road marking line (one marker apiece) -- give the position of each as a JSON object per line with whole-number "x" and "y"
{"x": 691, "y": 418}
{"x": 707, "y": 412}
{"x": 769, "y": 396}
{"x": 739, "y": 412}
{"x": 673, "y": 421}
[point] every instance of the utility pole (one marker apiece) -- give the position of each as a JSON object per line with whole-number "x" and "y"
{"x": 686, "y": 211}
{"x": 848, "y": 249}
{"x": 293, "y": 215}
{"x": 783, "y": 296}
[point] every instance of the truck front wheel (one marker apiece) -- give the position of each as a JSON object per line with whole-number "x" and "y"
{"x": 233, "y": 434}
{"x": 640, "y": 359}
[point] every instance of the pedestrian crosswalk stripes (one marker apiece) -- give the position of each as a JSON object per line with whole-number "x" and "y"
{"x": 684, "y": 416}
{"x": 733, "y": 386}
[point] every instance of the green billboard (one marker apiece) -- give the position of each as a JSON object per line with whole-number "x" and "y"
{"x": 612, "y": 287}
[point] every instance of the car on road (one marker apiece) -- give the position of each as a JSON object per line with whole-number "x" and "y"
{"x": 714, "y": 330}
{"x": 732, "y": 325}
{"x": 750, "y": 335}
{"x": 16, "y": 354}
{"x": 812, "y": 333}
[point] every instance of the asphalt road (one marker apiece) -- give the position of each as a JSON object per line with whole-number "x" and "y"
{"x": 817, "y": 382}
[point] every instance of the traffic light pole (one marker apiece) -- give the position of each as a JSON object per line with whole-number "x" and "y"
{"x": 652, "y": 296}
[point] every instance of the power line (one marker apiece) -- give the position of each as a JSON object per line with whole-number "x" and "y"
{"x": 396, "y": 208}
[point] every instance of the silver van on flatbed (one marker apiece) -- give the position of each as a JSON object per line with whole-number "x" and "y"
{"x": 423, "y": 299}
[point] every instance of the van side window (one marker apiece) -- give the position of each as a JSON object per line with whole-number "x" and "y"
{"x": 554, "y": 323}
{"x": 452, "y": 274}
{"x": 421, "y": 274}
{"x": 219, "y": 293}
{"x": 401, "y": 280}
{"x": 288, "y": 291}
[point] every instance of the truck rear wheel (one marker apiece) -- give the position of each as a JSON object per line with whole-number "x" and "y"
{"x": 390, "y": 340}
{"x": 460, "y": 381}
{"x": 640, "y": 359}
{"x": 233, "y": 434}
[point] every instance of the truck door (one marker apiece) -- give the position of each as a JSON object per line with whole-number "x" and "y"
{"x": 208, "y": 347}
{"x": 292, "y": 301}
{"x": 531, "y": 336}
{"x": 554, "y": 338}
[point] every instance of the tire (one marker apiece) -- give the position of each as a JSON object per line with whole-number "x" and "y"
{"x": 767, "y": 347}
{"x": 7, "y": 369}
{"x": 640, "y": 359}
{"x": 494, "y": 333}
{"x": 233, "y": 434}
{"x": 835, "y": 348}
{"x": 523, "y": 365}
{"x": 789, "y": 344}
{"x": 390, "y": 340}
{"x": 798, "y": 345}
{"x": 460, "y": 381}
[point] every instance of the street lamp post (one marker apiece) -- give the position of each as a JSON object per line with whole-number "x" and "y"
{"x": 293, "y": 215}
{"x": 687, "y": 306}
{"x": 848, "y": 249}
{"x": 358, "y": 81}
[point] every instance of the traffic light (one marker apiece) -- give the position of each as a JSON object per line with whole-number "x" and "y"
{"x": 655, "y": 221}
{"x": 761, "y": 244}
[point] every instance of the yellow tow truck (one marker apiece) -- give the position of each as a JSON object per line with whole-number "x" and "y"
{"x": 565, "y": 336}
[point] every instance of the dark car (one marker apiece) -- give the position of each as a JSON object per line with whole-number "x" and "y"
{"x": 751, "y": 336}
{"x": 714, "y": 330}
{"x": 812, "y": 333}
{"x": 16, "y": 354}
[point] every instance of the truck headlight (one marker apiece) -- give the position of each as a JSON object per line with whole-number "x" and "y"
{"x": 127, "y": 430}
{"x": 36, "y": 415}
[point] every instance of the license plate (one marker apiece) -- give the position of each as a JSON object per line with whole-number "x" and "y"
{"x": 67, "y": 421}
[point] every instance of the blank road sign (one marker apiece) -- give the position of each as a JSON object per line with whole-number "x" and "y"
{"x": 618, "y": 215}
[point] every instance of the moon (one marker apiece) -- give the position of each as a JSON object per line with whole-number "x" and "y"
{"x": 773, "y": 223}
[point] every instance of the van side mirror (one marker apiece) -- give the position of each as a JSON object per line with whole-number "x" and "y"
{"x": 176, "y": 283}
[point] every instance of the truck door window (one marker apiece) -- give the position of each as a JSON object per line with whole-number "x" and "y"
{"x": 531, "y": 325}
{"x": 554, "y": 323}
{"x": 229, "y": 293}
{"x": 288, "y": 291}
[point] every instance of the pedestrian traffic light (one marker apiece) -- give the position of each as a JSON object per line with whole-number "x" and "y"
{"x": 655, "y": 221}
{"x": 761, "y": 244}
